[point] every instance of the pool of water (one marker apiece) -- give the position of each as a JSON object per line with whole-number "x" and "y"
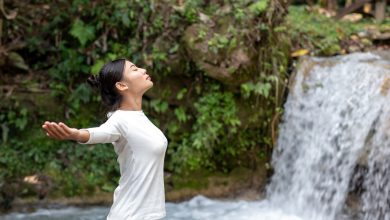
{"x": 198, "y": 208}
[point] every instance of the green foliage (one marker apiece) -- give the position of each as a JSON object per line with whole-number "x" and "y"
{"x": 258, "y": 88}
{"x": 82, "y": 32}
{"x": 209, "y": 125}
{"x": 258, "y": 7}
{"x": 181, "y": 114}
{"x": 322, "y": 34}
{"x": 190, "y": 10}
{"x": 159, "y": 105}
{"x": 218, "y": 42}
{"x": 13, "y": 120}
{"x": 216, "y": 123}
{"x": 201, "y": 118}
{"x": 97, "y": 66}
{"x": 263, "y": 87}
{"x": 18, "y": 119}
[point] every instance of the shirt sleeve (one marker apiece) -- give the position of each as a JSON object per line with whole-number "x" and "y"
{"x": 105, "y": 133}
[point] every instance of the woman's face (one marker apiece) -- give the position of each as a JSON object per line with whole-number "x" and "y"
{"x": 136, "y": 79}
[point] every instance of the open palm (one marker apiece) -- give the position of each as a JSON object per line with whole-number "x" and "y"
{"x": 60, "y": 131}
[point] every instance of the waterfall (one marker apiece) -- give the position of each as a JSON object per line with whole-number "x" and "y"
{"x": 333, "y": 145}
{"x": 336, "y": 112}
{"x": 376, "y": 197}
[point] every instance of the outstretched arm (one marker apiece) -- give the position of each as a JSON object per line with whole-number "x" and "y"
{"x": 105, "y": 133}
{"x": 60, "y": 131}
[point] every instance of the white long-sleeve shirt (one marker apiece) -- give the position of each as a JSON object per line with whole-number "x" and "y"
{"x": 140, "y": 147}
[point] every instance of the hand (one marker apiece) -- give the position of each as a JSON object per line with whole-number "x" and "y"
{"x": 60, "y": 131}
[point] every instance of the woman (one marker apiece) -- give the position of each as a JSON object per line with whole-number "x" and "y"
{"x": 139, "y": 144}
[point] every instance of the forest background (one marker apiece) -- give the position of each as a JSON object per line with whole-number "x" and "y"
{"x": 221, "y": 71}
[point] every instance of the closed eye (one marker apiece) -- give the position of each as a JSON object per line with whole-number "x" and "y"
{"x": 133, "y": 67}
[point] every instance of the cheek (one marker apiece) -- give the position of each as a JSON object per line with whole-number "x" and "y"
{"x": 140, "y": 77}
{"x": 133, "y": 78}
{"x": 137, "y": 81}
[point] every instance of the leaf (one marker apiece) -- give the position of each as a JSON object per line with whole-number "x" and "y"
{"x": 108, "y": 187}
{"x": 263, "y": 89}
{"x": 258, "y": 7}
{"x": 181, "y": 93}
{"x": 17, "y": 61}
{"x": 159, "y": 105}
{"x": 181, "y": 114}
{"x": 5, "y": 130}
{"x": 125, "y": 20}
{"x": 300, "y": 52}
{"x": 97, "y": 66}
{"x": 82, "y": 32}
{"x": 246, "y": 89}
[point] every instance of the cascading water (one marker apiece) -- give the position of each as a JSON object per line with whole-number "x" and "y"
{"x": 334, "y": 107}
{"x": 336, "y": 119}
{"x": 376, "y": 197}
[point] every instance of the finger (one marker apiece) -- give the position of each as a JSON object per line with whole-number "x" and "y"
{"x": 44, "y": 125}
{"x": 49, "y": 130}
{"x": 58, "y": 130}
{"x": 66, "y": 129}
{"x": 51, "y": 135}
{"x": 52, "y": 130}
{"x": 45, "y": 128}
{"x": 61, "y": 131}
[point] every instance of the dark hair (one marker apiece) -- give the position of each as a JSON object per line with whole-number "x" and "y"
{"x": 109, "y": 74}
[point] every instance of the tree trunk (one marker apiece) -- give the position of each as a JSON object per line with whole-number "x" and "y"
{"x": 348, "y": 3}
{"x": 332, "y": 5}
{"x": 380, "y": 9}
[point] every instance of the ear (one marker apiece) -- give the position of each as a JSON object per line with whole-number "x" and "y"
{"x": 121, "y": 86}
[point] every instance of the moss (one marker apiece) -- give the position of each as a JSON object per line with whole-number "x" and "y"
{"x": 237, "y": 183}
{"x": 324, "y": 35}
{"x": 197, "y": 180}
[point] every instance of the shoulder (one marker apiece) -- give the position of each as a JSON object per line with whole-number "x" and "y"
{"x": 113, "y": 117}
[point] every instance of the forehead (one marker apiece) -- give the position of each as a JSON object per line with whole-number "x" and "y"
{"x": 128, "y": 64}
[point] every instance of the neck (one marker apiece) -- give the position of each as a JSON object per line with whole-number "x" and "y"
{"x": 131, "y": 103}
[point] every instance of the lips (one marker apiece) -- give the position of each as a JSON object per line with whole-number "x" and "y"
{"x": 149, "y": 78}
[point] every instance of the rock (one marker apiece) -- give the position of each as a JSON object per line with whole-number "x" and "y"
{"x": 353, "y": 17}
{"x": 220, "y": 54}
{"x": 366, "y": 42}
{"x": 354, "y": 48}
{"x": 241, "y": 183}
{"x": 382, "y": 36}
{"x": 362, "y": 34}
{"x": 40, "y": 183}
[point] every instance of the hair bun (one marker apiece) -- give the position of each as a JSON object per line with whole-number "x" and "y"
{"x": 94, "y": 81}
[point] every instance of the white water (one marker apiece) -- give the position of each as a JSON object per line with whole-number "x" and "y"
{"x": 337, "y": 111}
{"x": 330, "y": 112}
{"x": 198, "y": 208}
{"x": 376, "y": 198}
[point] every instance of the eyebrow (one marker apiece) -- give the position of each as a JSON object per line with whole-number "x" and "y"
{"x": 132, "y": 65}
